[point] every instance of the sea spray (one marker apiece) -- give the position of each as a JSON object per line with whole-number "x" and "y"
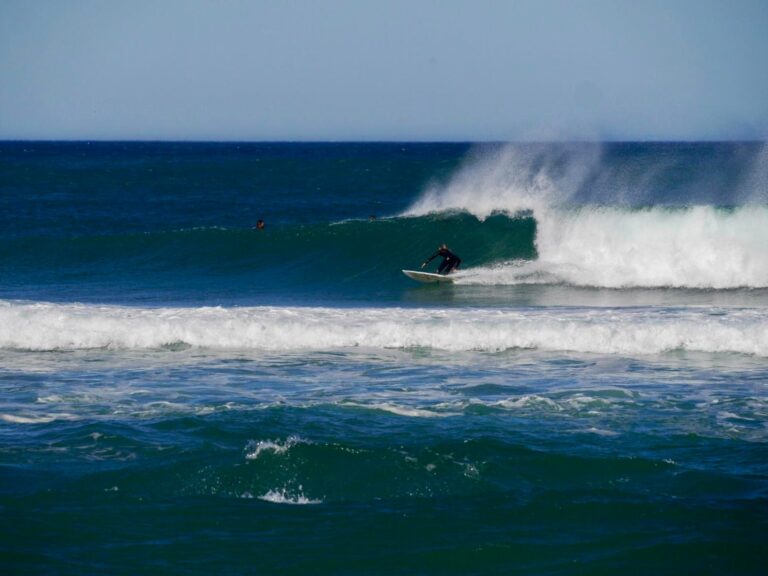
{"x": 510, "y": 180}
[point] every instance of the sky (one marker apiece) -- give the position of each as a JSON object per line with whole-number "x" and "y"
{"x": 423, "y": 70}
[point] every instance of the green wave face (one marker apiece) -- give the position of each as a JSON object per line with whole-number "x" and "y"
{"x": 358, "y": 255}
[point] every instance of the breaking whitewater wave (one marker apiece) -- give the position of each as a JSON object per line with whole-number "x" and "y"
{"x": 596, "y": 226}
{"x": 609, "y": 331}
{"x": 699, "y": 247}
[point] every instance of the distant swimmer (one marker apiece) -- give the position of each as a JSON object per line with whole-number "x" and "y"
{"x": 450, "y": 261}
{"x": 259, "y": 224}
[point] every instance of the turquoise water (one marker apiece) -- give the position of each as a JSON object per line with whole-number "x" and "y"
{"x": 184, "y": 394}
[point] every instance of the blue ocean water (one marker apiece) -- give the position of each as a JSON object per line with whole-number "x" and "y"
{"x": 183, "y": 393}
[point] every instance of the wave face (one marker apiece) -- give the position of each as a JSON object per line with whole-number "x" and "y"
{"x": 609, "y": 224}
{"x": 343, "y": 259}
{"x": 613, "y": 331}
{"x": 172, "y": 223}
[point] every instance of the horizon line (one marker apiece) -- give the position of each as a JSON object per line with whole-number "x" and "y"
{"x": 374, "y": 141}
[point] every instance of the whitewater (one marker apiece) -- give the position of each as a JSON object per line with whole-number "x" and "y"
{"x": 603, "y": 330}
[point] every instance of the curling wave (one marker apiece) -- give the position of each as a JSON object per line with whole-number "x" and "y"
{"x": 595, "y": 228}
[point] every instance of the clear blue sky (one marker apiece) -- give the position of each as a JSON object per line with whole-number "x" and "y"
{"x": 383, "y": 69}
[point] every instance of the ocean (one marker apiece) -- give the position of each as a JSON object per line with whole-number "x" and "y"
{"x": 182, "y": 393}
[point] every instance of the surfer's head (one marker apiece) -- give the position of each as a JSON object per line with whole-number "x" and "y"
{"x": 443, "y": 247}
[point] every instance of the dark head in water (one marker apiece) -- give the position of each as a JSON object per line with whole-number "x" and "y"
{"x": 259, "y": 224}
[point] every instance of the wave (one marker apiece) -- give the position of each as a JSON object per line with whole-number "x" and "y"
{"x": 698, "y": 247}
{"x": 606, "y": 216}
{"x": 349, "y": 255}
{"x": 701, "y": 247}
{"x": 596, "y": 227}
{"x": 44, "y": 326}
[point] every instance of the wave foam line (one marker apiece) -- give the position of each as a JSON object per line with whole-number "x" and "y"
{"x": 44, "y": 326}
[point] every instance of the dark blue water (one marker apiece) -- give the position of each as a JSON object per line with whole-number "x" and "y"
{"x": 183, "y": 393}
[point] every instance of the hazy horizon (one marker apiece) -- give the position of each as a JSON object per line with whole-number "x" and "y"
{"x": 361, "y": 141}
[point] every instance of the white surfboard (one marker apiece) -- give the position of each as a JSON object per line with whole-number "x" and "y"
{"x": 427, "y": 276}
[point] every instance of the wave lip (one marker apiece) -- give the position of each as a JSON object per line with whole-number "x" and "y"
{"x": 630, "y": 331}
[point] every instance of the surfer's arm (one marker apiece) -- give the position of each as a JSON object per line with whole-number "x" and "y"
{"x": 428, "y": 260}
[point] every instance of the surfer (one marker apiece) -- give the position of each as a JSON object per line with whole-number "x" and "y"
{"x": 259, "y": 224}
{"x": 450, "y": 260}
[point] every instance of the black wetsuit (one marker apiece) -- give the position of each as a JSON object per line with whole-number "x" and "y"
{"x": 450, "y": 261}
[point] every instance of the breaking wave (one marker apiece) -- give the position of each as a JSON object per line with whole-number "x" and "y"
{"x": 43, "y": 326}
{"x": 603, "y": 227}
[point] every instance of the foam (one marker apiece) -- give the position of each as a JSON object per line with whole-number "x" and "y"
{"x": 527, "y": 401}
{"x": 589, "y": 243}
{"x": 578, "y": 402}
{"x": 254, "y": 449}
{"x": 44, "y": 419}
{"x": 406, "y": 410}
{"x": 284, "y": 497}
{"x": 699, "y": 247}
{"x": 629, "y": 331}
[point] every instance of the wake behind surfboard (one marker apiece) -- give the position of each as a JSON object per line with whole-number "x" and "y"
{"x": 427, "y": 276}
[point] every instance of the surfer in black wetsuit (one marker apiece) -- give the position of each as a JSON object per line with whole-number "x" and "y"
{"x": 450, "y": 260}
